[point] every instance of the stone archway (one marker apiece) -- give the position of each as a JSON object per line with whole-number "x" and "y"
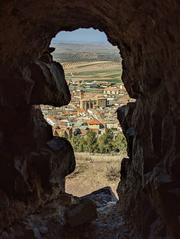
{"x": 148, "y": 37}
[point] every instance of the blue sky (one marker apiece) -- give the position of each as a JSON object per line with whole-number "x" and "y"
{"x": 81, "y": 35}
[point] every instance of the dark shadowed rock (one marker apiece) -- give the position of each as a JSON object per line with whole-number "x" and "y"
{"x": 147, "y": 34}
{"x": 81, "y": 213}
{"x": 102, "y": 196}
{"x": 4, "y": 200}
{"x": 50, "y": 86}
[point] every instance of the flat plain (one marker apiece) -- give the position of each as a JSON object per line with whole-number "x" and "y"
{"x": 93, "y": 71}
{"x": 89, "y": 62}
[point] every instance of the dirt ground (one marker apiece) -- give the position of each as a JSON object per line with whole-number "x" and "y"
{"x": 94, "y": 172}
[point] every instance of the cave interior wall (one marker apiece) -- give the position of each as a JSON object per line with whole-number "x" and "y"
{"x": 147, "y": 34}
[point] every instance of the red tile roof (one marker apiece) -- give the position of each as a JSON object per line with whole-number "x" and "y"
{"x": 93, "y": 122}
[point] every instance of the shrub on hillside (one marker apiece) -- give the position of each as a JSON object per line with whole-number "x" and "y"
{"x": 112, "y": 173}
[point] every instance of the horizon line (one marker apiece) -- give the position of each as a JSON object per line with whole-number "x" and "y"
{"x": 80, "y": 42}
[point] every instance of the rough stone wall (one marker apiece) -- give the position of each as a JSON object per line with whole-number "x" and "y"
{"x": 147, "y": 33}
{"x": 33, "y": 163}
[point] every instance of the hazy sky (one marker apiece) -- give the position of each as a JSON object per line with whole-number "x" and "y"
{"x": 81, "y": 35}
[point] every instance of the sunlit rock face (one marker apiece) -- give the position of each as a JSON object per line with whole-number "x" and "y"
{"x": 147, "y": 33}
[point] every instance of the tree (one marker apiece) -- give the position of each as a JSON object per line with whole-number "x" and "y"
{"x": 119, "y": 143}
{"x": 105, "y": 142}
{"x": 75, "y": 141}
{"x": 82, "y": 147}
{"x": 91, "y": 140}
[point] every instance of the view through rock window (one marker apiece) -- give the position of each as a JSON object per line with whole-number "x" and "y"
{"x": 93, "y": 72}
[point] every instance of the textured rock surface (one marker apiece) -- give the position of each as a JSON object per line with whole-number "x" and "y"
{"x": 33, "y": 167}
{"x": 147, "y": 33}
{"x": 51, "y": 221}
{"x": 80, "y": 214}
{"x": 102, "y": 196}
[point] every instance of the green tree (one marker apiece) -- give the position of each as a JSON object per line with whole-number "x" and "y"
{"x": 119, "y": 143}
{"x": 105, "y": 142}
{"x": 75, "y": 141}
{"x": 82, "y": 147}
{"x": 91, "y": 140}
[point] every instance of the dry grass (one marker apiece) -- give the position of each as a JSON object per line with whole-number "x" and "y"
{"x": 112, "y": 173}
{"x": 94, "y": 172}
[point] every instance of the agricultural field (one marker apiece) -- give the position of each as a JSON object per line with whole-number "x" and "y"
{"x": 89, "y": 62}
{"x": 96, "y": 71}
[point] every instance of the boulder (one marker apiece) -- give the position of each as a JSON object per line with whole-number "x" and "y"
{"x": 82, "y": 213}
{"x": 101, "y": 197}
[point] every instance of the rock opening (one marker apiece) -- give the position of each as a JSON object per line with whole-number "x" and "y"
{"x": 93, "y": 71}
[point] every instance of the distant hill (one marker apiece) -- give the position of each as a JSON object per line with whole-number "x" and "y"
{"x": 75, "y": 52}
